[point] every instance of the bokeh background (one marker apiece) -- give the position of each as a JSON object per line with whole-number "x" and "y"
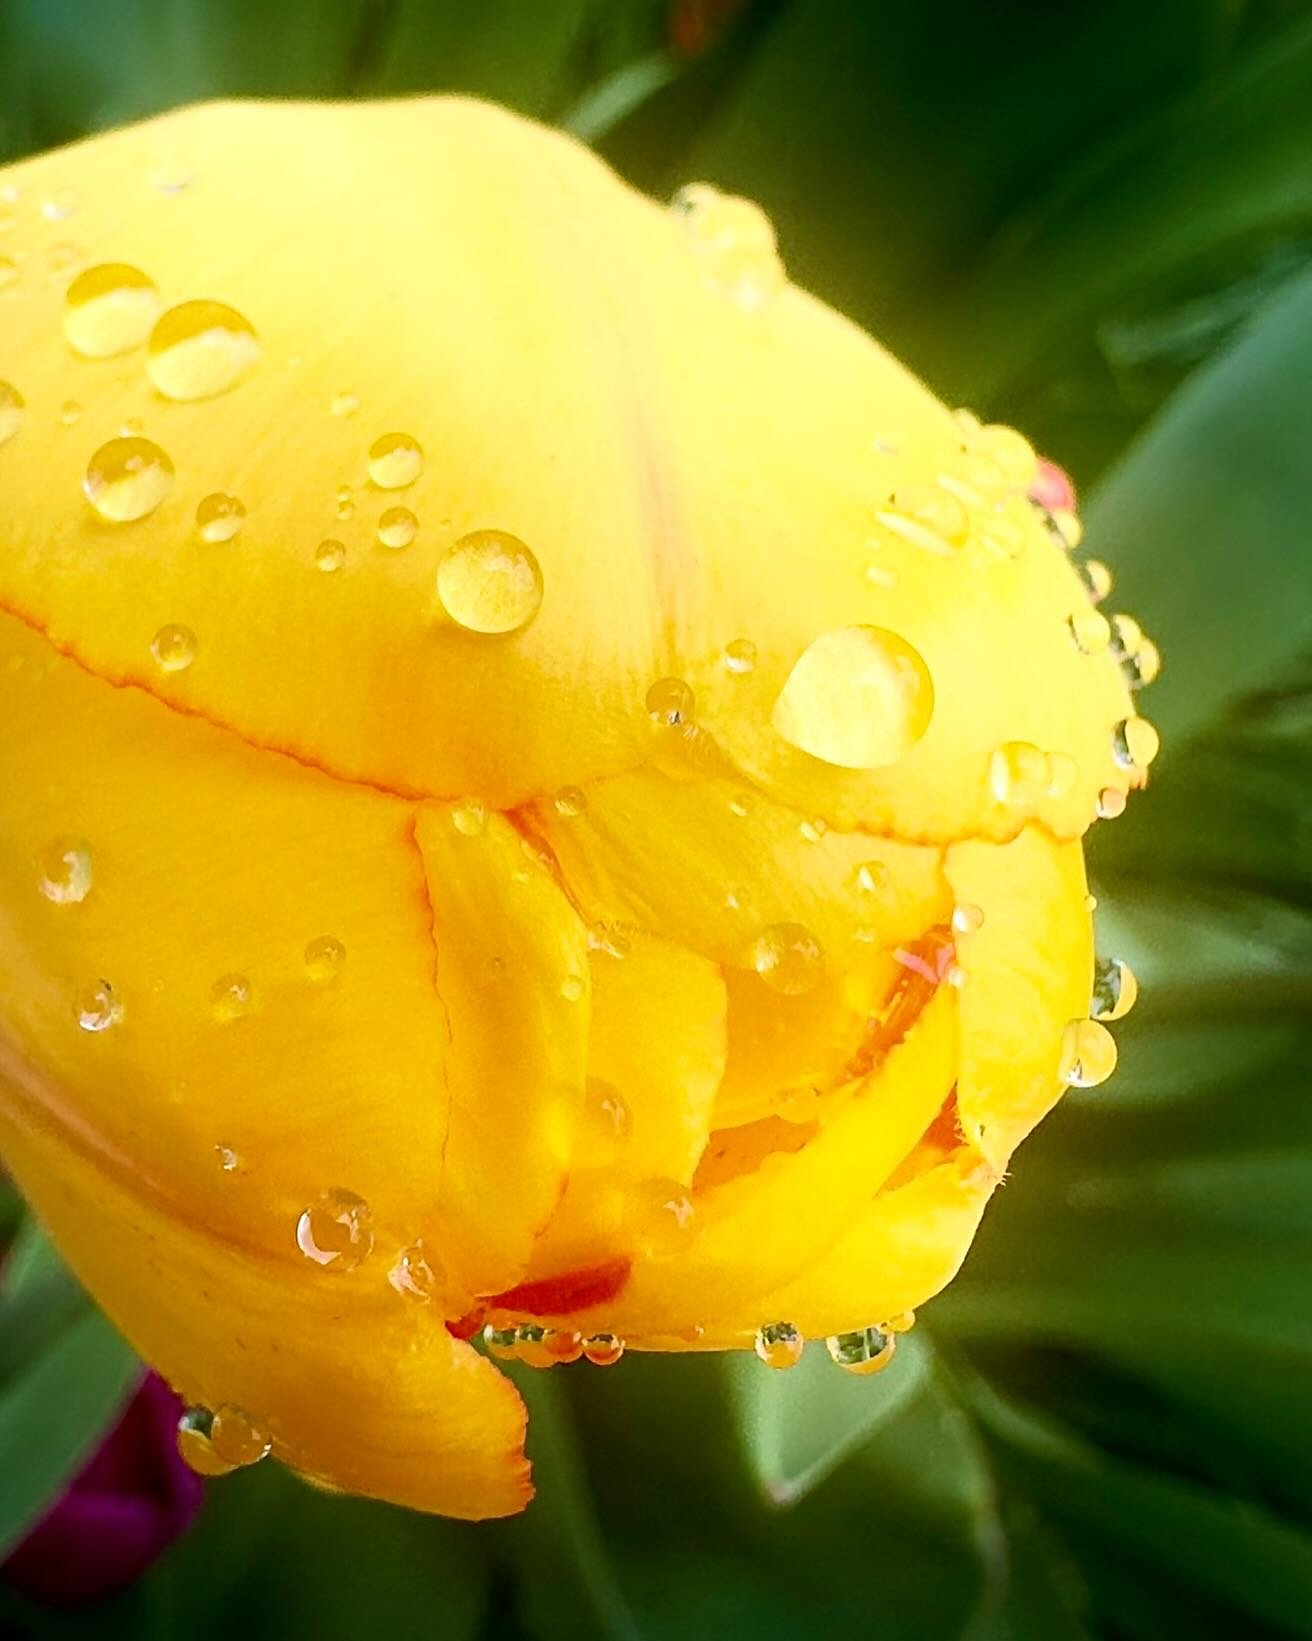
{"x": 1094, "y": 221}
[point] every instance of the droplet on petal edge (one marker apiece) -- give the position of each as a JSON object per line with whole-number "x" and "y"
{"x": 780, "y": 1345}
{"x": 1115, "y": 989}
{"x": 1088, "y": 1054}
{"x": 868, "y": 1350}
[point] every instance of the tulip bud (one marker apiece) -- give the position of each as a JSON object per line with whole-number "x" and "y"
{"x": 542, "y": 785}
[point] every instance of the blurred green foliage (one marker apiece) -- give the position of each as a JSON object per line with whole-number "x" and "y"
{"x": 1094, "y": 221}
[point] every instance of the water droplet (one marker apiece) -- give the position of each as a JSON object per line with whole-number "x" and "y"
{"x": 570, "y": 802}
{"x": 97, "y": 1007}
{"x": 228, "y": 1159}
{"x": 928, "y": 517}
{"x": 1088, "y": 1054}
{"x": 395, "y": 461}
{"x": 1002, "y": 537}
{"x": 740, "y": 655}
{"x": 174, "y": 648}
{"x": 196, "y": 1446}
{"x": 606, "y": 1122}
{"x": 237, "y": 1438}
{"x": 324, "y": 958}
{"x": 470, "y": 817}
{"x": 70, "y": 413}
{"x": 967, "y": 919}
{"x": 789, "y": 958}
{"x": 857, "y": 697}
{"x": 1018, "y": 774}
{"x": 562, "y": 1345}
{"x": 780, "y": 1344}
{"x": 335, "y": 1231}
{"x": 1115, "y": 989}
{"x": 603, "y": 1349}
{"x": 812, "y": 831}
{"x": 501, "y": 1342}
{"x": 231, "y": 997}
{"x": 60, "y": 205}
{"x": 872, "y": 877}
{"x": 397, "y": 527}
{"x": 868, "y": 1350}
{"x": 345, "y": 502}
{"x": 735, "y": 242}
{"x": 670, "y": 702}
{"x": 329, "y": 556}
{"x": 1090, "y": 630}
{"x": 170, "y": 178}
{"x": 12, "y": 408}
{"x": 344, "y": 404}
{"x": 127, "y": 479}
{"x": 490, "y": 582}
{"x": 219, "y": 517}
{"x": 1063, "y": 772}
{"x": 200, "y": 349}
{"x": 110, "y": 309}
{"x": 1143, "y": 666}
{"x": 1012, "y": 452}
{"x": 1097, "y": 579}
{"x": 532, "y": 1347}
{"x": 413, "y": 1274}
{"x": 1111, "y": 803}
{"x": 1135, "y": 743}
{"x": 571, "y": 988}
{"x": 66, "y": 872}
{"x": 665, "y": 1216}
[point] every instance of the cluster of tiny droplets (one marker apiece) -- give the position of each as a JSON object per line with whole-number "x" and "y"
{"x": 489, "y": 582}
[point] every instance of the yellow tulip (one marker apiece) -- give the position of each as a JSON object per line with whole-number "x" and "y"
{"x": 541, "y": 785}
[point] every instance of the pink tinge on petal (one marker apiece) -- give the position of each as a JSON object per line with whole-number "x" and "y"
{"x": 1052, "y": 488}
{"x": 119, "y": 1515}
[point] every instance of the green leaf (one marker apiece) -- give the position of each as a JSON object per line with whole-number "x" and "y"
{"x": 1200, "y": 515}
{"x": 54, "y": 1411}
{"x": 39, "y": 1299}
{"x": 798, "y": 1426}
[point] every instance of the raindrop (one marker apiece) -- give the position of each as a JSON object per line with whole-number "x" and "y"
{"x": 603, "y": 1349}
{"x": 740, "y": 655}
{"x": 1115, "y": 989}
{"x": 66, "y": 872}
{"x": 1088, "y": 1054}
{"x": 531, "y": 1346}
{"x": 1111, "y": 803}
{"x": 1090, "y": 630}
{"x": 127, "y": 479}
{"x": 97, "y": 1007}
{"x": 872, "y": 876}
{"x": 61, "y": 205}
{"x": 570, "y": 802}
{"x": 1097, "y": 579}
{"x": 110, "y": 309}
{"x": 200, "y": 349}
{"x": 868, "y": 1350}
{"x": 1019, "y": 774}
{"x": 395, "y": 461}
{"x": 857, "y": 697}
{"x": 500, "y": 1342}
{"x": 413, "y": 1274}
{"x": 64, "y": 259}
{"x": 228, "y": 1159}
{"x": 1135, "y": 743}
{"x": 490, "y": 582}
{"x": 174, "y": 648}
{"x": 606, "y": 1121}
{"x": 12, "y": 408}
{"x": 219, "y": 517}
{"x": 231, "y": 997}
{"x": 1063, "y": 772}
{"x": 70, "y": 413}
{"x": 397, "y": 527}
{"x": 344, "y": 404}
{"x": 670, "y": 702}
{"x": 666, "y": 1214}
{"x": 237, "y": 1438}
{"x": 1012, "y": 452}
{"x": 780, "y": 1344}
{"x": 324, "y": 958}
{"x": 470, "y": 817}
{"x": 968, "y": 919}
{"x": 789, "y": 958}
{"x": 329, "y": 556}
{"x": 735, "y": 242}
{"x": 571, "y": 988}
{"x": 196, "y": 1445}
{"x": 1143, "y": 666}
{"x": 335, "y": 1232}
{"x": 928, "y": 517}
{"x": 345, "y": 502}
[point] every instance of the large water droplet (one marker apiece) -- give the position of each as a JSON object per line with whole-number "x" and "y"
{"x": 110, "y": 309}
{"x": 199, "y": 349}
{"x": 66, "y": 871}
{"x": 127, "y": 479}
{"x": 97, "y": 1007}
{"x": 603, "y": 1349}
{"x": 490, "y": 582}
{"x": 395, "y": 461}
{"x": 397, "y": 527}
{"x": 1135, "y": 743}
{"x": 857, "y": 697}
{"x": 789, "y": 958}
{"x": 780, "y": 1344}
{"x": 174, "y": 648}
{"x": 868, "y": 1350}
{"x": 12, "y": 410}
{"x": 1088, "y": 1054}
{"x": 1115, "y": 989}
{"x": 219, "y": 517}
{"x": 196, "y": 1446}
{"x": 237, "y": 1438}
{"x": 501, "y": 1342}
{"x": 336, "y": 1231}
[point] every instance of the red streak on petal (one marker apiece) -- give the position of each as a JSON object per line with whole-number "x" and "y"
{"x": 924, "y": 966}
{"x": 571, "y": 1291}
{"x": 466, "y": 1326}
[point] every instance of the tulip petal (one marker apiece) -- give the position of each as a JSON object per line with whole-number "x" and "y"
{"x": 356, "y": 1385}
{"x": 1029, "y": 971}
{"x": 514, "y": 979}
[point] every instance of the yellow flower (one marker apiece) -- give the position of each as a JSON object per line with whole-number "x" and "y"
{"x": 542, "y": 781}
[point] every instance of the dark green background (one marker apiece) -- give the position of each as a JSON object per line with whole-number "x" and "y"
{"x": 1095, "y": 221}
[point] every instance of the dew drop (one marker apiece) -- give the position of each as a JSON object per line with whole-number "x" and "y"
{"x": 413, "y": 1274}
{"x": 1018, "y": 774}
{"x": 70, "y": 413}
{"x": 237, "y": 1438}
{"x": 66, "y": 872}
{"x": 60, "y": 205}
{"x": 200, "y": 349}
{"x": 666, "y": 1216}
{"x": 228, "y": 1159}
{"x": 196, "y": 1445}
{"x": 325, "y": 957}
{"x": 127, "y": 479}
{"x": 1090, "y": 630}
{"x": 1012, "y": 452}
{"x": 1115, "y": 989}
{"x": 98, "y": 1007}
{"x": 170, "y": 178}
{"x": 603, "y": 1349}
{"x": 1002, "y": 537}
{"x": 872, "y": 877}
{"x": 231, "y": 997}
{"x": 928, "y": 516}
{"x": 570, "y": 802}
{"x": 968, "y": 919}
{"x": 1088, "y": 1054}
{"x": 12, "y": 410}
{"x": 397, "y": 527}
{"x": 670, "y": 702}
{"x": 857, "y": 697}
{"x": 345, "y": 502}
{"x": 789, "y": 958}
{"x": 344, "y": 404}
{"x": 1063, "y": 772}
{"x": 1143, "y": 666}
{"x": 336, "y": 1232}
{"x": 329, "y": 556}
{"x": 734, "y": 241}
{"x": 780, "y": 1344}
{"x": 490, "y": 582}
{"x": 470, "y": 817}
{"x": 605, "y": 1126}
{"x": 1135, "y": 743}
{"x": 173, "y": 648}
{"x": 532, "y": 1347}
{"x": 1111, "y": 803}
{"x": 501, "y": 1342}
{"x": 219, "y": 517}
{"x": 395, "y": 461}
{"x": 868, "y": 1350}
{"x": 571, "y": 988}
{"x": 110, "y": 309}
{"x": 1097, "y": 579}
{"x": 740, "y": 655}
